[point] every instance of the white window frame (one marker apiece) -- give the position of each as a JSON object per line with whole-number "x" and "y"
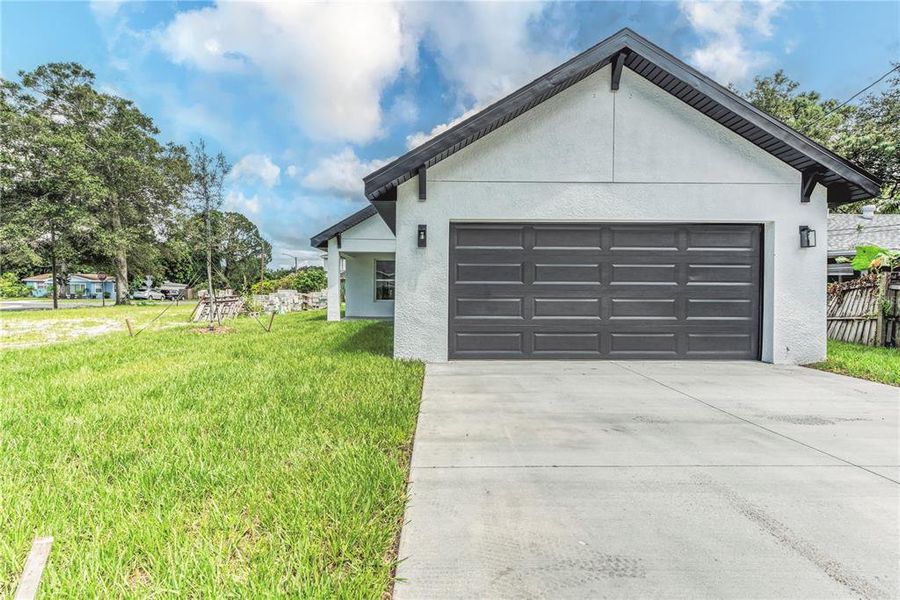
{"x": 378, "y": 279}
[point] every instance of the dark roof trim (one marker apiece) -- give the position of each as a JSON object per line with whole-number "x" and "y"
{"x": 661, "y": 68}
{"x": 320, "y": 240}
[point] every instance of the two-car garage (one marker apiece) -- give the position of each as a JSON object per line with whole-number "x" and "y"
{"x": 604, "y": 290}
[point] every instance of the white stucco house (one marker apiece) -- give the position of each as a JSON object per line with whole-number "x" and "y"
{"x": 621, "y": 206}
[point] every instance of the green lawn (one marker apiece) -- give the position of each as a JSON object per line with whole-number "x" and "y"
{"x": 865, "y": 362}
{"x": 25, "y": 328}
{"x": 247, "y": 464}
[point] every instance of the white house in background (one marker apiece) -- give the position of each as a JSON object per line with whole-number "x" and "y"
{"x": 79, "y": 285}
{"x": 622, "y": 205}
{"x": 847, "y": 231}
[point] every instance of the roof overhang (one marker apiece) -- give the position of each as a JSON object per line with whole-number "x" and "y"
{"x": 845, "y": 181}
{"x": 320, "y": 240}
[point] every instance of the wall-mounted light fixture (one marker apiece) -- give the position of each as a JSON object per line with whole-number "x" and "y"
{"x": 422, "y": 237}
{"x": 807, "y": 237}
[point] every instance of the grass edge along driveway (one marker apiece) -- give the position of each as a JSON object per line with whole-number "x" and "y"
{"x": 864, "y": 362}
{"x": 183, "y": 464}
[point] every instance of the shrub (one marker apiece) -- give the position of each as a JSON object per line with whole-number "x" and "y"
{"x": 10, "y": 287}
{"x": 311, "y": 279}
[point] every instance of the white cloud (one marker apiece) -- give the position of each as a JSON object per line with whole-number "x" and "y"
{"x": 332, "y": 60}
{"x": 417, "y": 139}
{"x": 486, "y": 48}
{"x": 256, "y": 166}
{"x": 341, "y": 174}
{"x": 724, "y": 27}
{"x": 238, "y": 202}
{"x": 291, "y": 171}
{"x": 105, "y": 9}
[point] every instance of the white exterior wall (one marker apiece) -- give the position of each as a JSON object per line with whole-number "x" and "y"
{"x": 639, "y": 154}
{"x": 360, "y": 246}
{"x": 359, "y": 287}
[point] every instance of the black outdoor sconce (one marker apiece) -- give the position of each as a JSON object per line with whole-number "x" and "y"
{"x": 807, "y": 237}
{"x": 423, "y": 238}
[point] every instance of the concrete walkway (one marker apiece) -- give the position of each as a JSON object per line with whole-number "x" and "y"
{"x": 652, "y": 479}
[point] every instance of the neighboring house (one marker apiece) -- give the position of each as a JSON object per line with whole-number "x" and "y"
{"x": 79, "y": 285}
{"x": 846, "y": 232}
{"x": 622, "y": 205}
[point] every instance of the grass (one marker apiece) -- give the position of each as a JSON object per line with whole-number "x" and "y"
{"x": 865, "y": 362}
{"x": 176, "y": 463}
{"x": 25, "y": 328}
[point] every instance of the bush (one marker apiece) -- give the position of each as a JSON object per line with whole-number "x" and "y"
{"x": 10, "y": 287}
{"x": 312, "y": 279}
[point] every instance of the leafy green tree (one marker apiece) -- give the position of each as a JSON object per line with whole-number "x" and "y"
{"x": 205, "y": 196}
{"x": 50, "y": 192}
{"x": 867, "y": 134}
{"x": 239, "y": 254}
{"x": 144, "y": 183}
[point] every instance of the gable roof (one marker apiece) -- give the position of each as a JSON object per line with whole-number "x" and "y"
{"x": 86, "y": 276}
{"x": 320, "y": 240}
{"x": 846, "y": 182}
{"x": 845, "y": 232}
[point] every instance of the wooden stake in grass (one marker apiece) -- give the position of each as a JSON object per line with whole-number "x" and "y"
{"x": 271, "y": 318}
{"x": 34, "y": 568}
{"x": 128, "y": 323}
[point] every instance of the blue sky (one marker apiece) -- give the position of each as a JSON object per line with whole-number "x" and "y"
{"x": 305, "y": 99}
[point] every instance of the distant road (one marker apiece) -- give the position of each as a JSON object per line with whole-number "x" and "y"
{"x": 32, "y": 304}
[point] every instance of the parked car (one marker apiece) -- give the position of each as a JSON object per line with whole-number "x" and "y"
{"x": 172, "y": 294}
{"x": 147, "y": 294}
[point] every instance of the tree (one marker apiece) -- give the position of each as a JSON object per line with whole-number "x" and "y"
{"x": 83, "y": 177}
{"x": 144, "y": 182}
{"x": 49, "y": 190}
{"x": 867, "y": 134}
{"x": 204, "y": 196}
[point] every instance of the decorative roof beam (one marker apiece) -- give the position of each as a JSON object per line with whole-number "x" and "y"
{"x": 422, "y": 185}
{"x": 808, "y": 183}
{"x": 618, "y": 62}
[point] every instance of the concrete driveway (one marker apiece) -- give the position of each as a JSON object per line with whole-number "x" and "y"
{"x": 652, "y": 479}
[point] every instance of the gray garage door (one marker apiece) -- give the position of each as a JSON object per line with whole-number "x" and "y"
{"x": 604, "y": 291}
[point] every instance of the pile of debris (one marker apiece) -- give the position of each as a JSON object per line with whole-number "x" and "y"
{"x": 285, "y": 301}
{"x": 223, "y": 307}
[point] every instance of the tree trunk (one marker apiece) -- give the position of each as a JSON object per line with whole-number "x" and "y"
{"x": 53, "y": 278}
{"x": 209, "y": 280}
{"x": 121, "y": 257}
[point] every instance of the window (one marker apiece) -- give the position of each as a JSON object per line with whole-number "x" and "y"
{"x": 384, "y": 280}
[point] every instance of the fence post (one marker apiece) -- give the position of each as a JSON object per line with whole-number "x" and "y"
{"x": 880, "y": 296}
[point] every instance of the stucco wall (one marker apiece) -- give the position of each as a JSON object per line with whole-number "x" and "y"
{"x": 638, "y": 154}
{"x": 359, "y": 290}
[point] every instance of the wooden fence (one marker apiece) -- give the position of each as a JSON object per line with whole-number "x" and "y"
{"x": 855, "y": 313}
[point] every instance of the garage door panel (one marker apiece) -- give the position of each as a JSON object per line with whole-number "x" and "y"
{"x": 566, "y": 308}
{"x": 638, "y": 237}
{"x": 489, "y": 342}
{"x": 490, "y": 273}
{"x": 550, "y": 237}
{"x": 566, "y": 343}
{"x": 710, "y": 237}
{"x": 605, "y": 291}
{"x": 720, "y": 308}
{"x": 472, "y": 236}
{"x": 497, "y": 308}
{"x": 650, "y": 273}
{"x": 567, "y": 273}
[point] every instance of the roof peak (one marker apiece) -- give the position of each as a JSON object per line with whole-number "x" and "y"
{"x": 850, "y": 181}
